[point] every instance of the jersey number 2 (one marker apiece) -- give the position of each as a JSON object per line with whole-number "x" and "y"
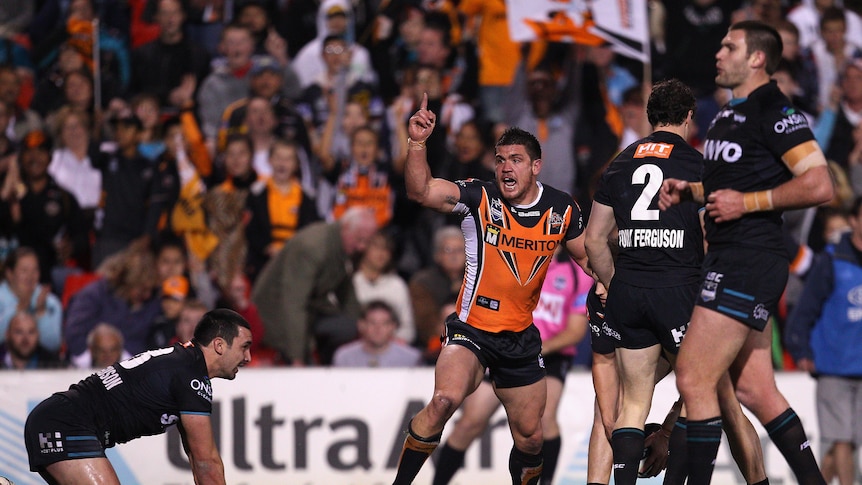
{"x": 641, "y": 210}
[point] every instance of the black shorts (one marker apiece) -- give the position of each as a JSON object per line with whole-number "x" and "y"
{"x": 648, "y": 316}
{"x": 557, "y": 365}
{"x": 743, "y": 284}
{"x": 58, "y": 430}
{"x": 604, "y": 340}
{"x": 513, "y": 358}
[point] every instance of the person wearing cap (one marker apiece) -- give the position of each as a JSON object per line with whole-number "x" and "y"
{"x": 175, "y": 290}
{"x": 50, "y": 220}
{"x": 129, "y": 182}
{"x": 334, "y": 17}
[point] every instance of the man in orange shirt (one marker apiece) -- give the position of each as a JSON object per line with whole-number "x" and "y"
{"x": 512, "y": 226}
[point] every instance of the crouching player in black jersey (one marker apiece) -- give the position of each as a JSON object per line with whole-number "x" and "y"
{"x": 760, "y": 158}
{"x": 67, "y": 434}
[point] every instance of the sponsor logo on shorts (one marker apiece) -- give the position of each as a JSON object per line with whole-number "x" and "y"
{"x": 678, "y": 333}
{"x": 804, "y": 445}
{"x": 489, "y": 303}
{"x": 610, "y": 332}
{"x": 619, "y": 466}
{"x": 51, "y": 442}
{"x": 202, "y": 388}
{"x": 710, "y": 286}
{"x": 460, "y": 337}
{"x": 541, "y": 361}
{"x": 595, "y": 329}
{"x": 169, "y": 419}
{"x": 760, "y": 312}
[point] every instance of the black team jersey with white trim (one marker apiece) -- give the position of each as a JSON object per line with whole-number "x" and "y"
{"x": 742, "y": 151}
{"x": 656, "y": 248}
{"x": 146, "y": 394}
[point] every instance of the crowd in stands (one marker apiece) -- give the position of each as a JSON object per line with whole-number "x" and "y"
{"x": 160, "y": 158}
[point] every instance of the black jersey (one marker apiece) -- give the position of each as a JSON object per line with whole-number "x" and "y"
{"x": 656, "y": 248}
{"x": 144, "y": 395}
{"x": 509, "y": 248}
{"x": 743, "y": 152}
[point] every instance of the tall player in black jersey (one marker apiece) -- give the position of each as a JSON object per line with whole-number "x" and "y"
{"x": 67, "y": 434}
{"x": 512, "y": 226}
{"x": 760, "y": 158}
{"x": 653, "y": 283}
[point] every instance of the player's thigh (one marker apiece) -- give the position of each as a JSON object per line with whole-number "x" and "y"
{"x": 754, "y": 377}
{"x": 457, "y": 373}
{"x": 480, "y": 405}
{"x": 90, "y": 471}
{"x": 711, "y": 344}
{"x": 524, "y": 408}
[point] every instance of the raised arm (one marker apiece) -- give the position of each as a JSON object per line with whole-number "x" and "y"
{"x": 197, "y": 435}
{"x": 434, "y": 193}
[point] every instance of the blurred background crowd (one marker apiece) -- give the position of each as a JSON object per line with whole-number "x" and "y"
{"x": 159, "y": 158}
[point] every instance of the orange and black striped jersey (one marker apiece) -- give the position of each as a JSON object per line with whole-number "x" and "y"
{"x": 509, "y": 248}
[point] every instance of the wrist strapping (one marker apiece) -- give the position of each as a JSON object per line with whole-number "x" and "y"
{"x": 757, "y": 201}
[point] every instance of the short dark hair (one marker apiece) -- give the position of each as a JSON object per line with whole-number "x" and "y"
{"x": 516, "y": 136}
{"x": 669, "y": 103}
{"x": 220, "y": 322}
{"x": 762, "y": 37}
{"x": 16, "y": 254}
{"x": 832, "y": 14}
{"x": 379, "y": 305}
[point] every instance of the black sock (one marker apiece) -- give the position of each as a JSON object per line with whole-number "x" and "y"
{"x": 788, "y": 435}
{"x": 551, "y": 452}
{"x": 703, "y": 438}
{"x": 416, "y": 450}
{"x": 677, "y": 460}
{"x": 449, "y": 460}
{"x": 765, "y": 481}
{"x": 628, "y": 446}
{"x": 525, "y": 469}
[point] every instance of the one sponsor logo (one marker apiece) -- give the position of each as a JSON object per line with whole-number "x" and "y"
{"x": 51, "y": 442}
{"x": 541, "y": 361}
{"x": 619, "y": 466}
{"x": 169, "y": 419}
{"x": 760, "y": 312}
{"x": 610, "y": 332}
{"x": 555, "y": 220}
{"x": 202, "y": 388}
{"x": 791, "y": 122}
{"x": 528, "y": 213}
{"x": 854, "y": 296}
{"x": 489, "y": 303}
{"x": 722, "y": 151}
{"x": 655, "y": 150}
{"x": 460, "y": 337}
{"x": 804, "y": 445}
{"x": 462, "y": 183}
{"x": 710, "y": 286}
{"x": 595, "y": 329}
{"x": 729, "y": 113}
{"x": 492, "y": 235}
{"x": 678, "y": 333}
{"x": 496, "y": 211}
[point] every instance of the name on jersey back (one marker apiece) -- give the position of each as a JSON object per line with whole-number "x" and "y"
{"x": 652, "y": 238}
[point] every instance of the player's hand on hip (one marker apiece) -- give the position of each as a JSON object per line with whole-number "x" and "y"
{"x": 725, "y": 205}
{"x": 422, "y": 123}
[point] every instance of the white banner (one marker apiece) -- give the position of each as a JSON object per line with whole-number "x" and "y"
{"x": 625, "y": 24}
{"x": 325, "y": 427}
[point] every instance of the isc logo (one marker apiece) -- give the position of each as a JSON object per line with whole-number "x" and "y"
{"x": 656, "y": 150}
